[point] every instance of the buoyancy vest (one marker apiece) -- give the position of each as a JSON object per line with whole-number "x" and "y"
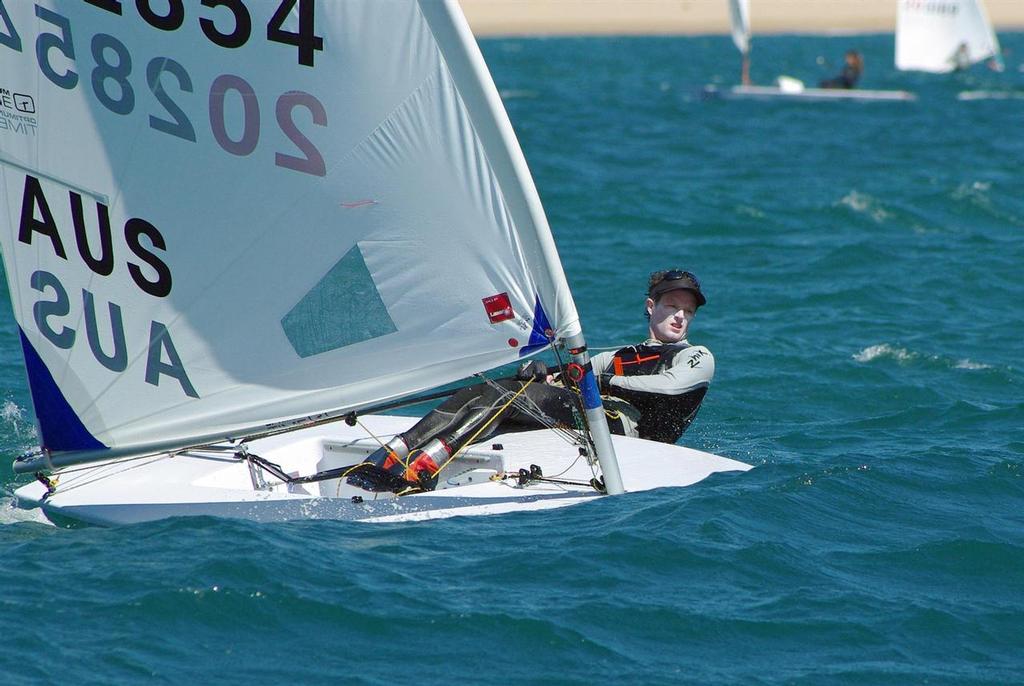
{"x": 663, "y": 417}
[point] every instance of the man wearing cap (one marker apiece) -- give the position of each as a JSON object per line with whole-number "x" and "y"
{"x": 651, "y": 390}
{"x": 657, "y": 387}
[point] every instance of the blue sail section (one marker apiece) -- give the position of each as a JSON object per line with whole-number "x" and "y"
{"x": 62, "y": 430}
{"x": 343, "y": 308}
{"x": 538, "y": 336}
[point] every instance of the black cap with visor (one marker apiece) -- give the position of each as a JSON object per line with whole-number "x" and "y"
{"x": 674, "y": 280}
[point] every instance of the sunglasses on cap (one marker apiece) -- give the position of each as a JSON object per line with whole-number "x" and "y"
{"x": 676, "y": 279}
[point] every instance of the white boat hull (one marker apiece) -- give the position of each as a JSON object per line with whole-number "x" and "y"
{"x": 221, "y": 485}
{"x": 807, "y": 94}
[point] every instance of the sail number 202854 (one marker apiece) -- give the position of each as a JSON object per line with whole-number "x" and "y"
{"x": 110, "y": 74}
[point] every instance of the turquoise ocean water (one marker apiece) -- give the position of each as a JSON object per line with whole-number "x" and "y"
{"x": 863, "y": 264}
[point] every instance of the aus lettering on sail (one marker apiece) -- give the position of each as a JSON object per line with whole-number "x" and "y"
{"x": 56, "y": 309}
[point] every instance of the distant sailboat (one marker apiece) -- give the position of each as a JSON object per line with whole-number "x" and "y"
{"x": 947, "y": 36}
{"x": 942, "y": 36}
{"x": 786, "y": 88}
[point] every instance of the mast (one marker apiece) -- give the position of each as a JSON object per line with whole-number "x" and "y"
{"x": 597, "y": 421}
{"x": 739, "y": 15}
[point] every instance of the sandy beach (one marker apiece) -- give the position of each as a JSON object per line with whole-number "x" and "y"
{"x": 576, "y": 17}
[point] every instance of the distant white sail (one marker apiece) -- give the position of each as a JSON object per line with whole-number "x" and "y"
{"x": 221, "y": 218}
{"x": 943, "y": 35}
{"x": 739, "y": 14}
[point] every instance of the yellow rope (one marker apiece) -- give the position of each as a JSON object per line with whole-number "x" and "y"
{"x": 372, "y": 435}
{"x": 481, "y": 429}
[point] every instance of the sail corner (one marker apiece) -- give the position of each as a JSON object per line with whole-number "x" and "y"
{"x": 540, "y": 335}
{"x": 60, "y": 428}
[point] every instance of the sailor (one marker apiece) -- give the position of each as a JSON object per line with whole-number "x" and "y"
{"x": 961, "y": 58}
{"x": 651, "y": 390}
{"x": 853, "y": 66}
{"x": 658, "y": 385}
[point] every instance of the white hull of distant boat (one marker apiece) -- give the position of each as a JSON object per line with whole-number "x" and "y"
{"x": 807, "y": 94}
{"x": 215, "y": 483}
{"x": 970, "y": 96}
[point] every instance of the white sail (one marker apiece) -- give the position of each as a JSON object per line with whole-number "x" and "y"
{"x": 222, "y": 218}
{"x": 739, "y": 14}
{"x": 943, "y": 35}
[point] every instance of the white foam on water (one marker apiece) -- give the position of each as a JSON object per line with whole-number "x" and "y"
{"x": 884, "y": 350}
{"x": 902, "y": 355}
{"x": 13, "y": 416}
{"x": 11, "y": 514}
{"x": 10, "y": 411}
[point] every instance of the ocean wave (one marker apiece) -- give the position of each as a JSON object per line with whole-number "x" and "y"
{"x": 904, "y": 356}
{"x": 809, "y": 478}
{"x": 980, "y": 196}
{"x": 976, "y": 192}
{"x": 968, "y": 364}
{"x": 750, "y": 211}
{"x": 862, "y": 203}
{"x": 513, "y": 94}
{"x": 884, "y": 350}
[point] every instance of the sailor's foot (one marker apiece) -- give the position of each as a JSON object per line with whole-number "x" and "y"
{"x": 382, "y": 470}
{"x": 374, "y": 473}
{"x": 371, "y": 477}
{"x": 422, "y": 473}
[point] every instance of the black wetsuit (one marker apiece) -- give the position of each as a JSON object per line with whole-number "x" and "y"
{"x": 665, "y": 383}
{"x": 846, "y": 79}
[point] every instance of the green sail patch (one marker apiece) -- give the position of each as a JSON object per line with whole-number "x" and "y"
{"x": 343, "y": 308}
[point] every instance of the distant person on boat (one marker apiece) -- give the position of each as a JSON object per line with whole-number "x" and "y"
{"x": 651, "y": 390}
{"x": 853, "y": 66}
{"x": 961, "y": 58}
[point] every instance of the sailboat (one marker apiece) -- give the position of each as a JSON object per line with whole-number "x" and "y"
{"x": 943, "y": 36}
{"x": 231, "y": 227}
{"x": 786, "y": 87}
